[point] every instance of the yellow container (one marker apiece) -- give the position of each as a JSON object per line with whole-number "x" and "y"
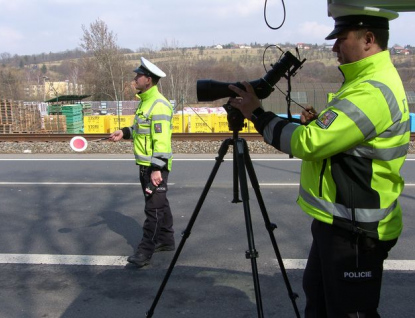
{"x": 178, "y": 125}
{"x": 118, "y": 122}
{"x": 221, "y": 123}
{"x": 251, "y": 128}
{"x": 96, "y": 124}
{"x": 201, "y": 123}
{"x": 245, "y": 129}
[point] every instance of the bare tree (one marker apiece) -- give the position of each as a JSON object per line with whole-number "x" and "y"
{"x": 172, "y": 45}
{"x": 107, "y": 62}
{"x": 10, "y": 87}
{"x": 180, "y": 79}
{"x": 5, "y": 57}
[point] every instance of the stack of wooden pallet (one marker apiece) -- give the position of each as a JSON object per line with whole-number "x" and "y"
{"x": 26, "y": 118}
{"x": 54, "y": 123}
{"x": 15, "y": 117}
{"x": 6, "y": 118}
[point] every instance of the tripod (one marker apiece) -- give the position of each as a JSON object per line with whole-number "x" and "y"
{"x": 241, "y": 159}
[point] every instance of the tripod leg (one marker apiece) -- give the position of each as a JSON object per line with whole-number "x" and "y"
{"x": 235, "y": 179}
{"x": 269, "y": 226}
{"x": 251, "y": 253}
{"x": 235, "y": 172}
{"x": 186, "y": 233}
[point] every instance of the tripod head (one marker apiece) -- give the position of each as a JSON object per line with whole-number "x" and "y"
{"x": 235, "y": 118}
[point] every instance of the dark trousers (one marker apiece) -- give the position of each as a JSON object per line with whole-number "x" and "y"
{"x": 158, "y": 225}
{"x": 343, "y": 275}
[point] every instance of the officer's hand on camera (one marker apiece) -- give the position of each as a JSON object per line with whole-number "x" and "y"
{"x": 247, "y": 101}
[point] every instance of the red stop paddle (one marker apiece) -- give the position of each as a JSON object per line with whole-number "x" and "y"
{"x": 78, "y": 143}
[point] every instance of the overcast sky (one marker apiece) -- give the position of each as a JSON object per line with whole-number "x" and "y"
{"x": 43, "y": 26}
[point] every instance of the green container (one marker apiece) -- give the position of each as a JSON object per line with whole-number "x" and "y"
{"x": 53, "y": 109}
{"x": 72, "y": 109}
{"x": 73, "y": 119}
{"x": 74, "y": 131}
{"x": 75, "y": 125}
{"x": 65, "y": 109}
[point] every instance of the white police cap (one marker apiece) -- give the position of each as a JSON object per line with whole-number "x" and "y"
{"x": 350, "y": 16}
{"x": 149, "y": 69}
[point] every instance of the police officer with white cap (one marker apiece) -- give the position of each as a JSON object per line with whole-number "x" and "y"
{"x": 151, "y": 132}
{"x": 348, "y": 17}
{"x": 149, "y": 69}
{"x": 350, "y": 176}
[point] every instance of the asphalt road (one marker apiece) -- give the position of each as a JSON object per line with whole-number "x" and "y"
{"x": 68, "y": 222}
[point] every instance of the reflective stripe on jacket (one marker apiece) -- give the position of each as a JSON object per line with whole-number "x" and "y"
{"x": 152, "y": 130}
{"x": 352, "y": 154}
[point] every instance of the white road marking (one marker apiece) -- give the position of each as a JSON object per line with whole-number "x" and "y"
{"x": 132, "y": 159}
{"x": 103, "y": 260}
{"x": 77, "y": 183}
{"x": 137, "y": 183}
{"x": 48, "y": 259}
{"x": 73, "y": 183}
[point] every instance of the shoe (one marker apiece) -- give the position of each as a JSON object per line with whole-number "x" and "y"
{"x": 140, "y": 260}
{"x": 164, "y": 248}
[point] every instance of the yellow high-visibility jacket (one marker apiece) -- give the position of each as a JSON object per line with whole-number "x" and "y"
{"x": 352, "y": 154}
{"x": 152, "y": 130}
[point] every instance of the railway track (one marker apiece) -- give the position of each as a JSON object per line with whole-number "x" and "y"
{"x": 15, "y": 137}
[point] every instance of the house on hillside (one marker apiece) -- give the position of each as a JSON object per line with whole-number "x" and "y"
{"x": 304, "y": 46}
{"x": 397, "y": 49}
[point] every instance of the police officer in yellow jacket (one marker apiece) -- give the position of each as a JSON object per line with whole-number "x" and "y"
{"x": 151, "y": 132}
{"x": 350, "y": 176}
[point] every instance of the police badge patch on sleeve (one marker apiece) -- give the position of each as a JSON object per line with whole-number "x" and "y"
{"x": 157, "y": 128}
{"x": 326, "y": 119}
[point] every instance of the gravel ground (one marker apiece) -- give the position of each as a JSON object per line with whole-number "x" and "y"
{"x": 125, "y": 147}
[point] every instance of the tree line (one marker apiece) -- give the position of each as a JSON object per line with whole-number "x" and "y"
{"x": 105, "y": 69}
